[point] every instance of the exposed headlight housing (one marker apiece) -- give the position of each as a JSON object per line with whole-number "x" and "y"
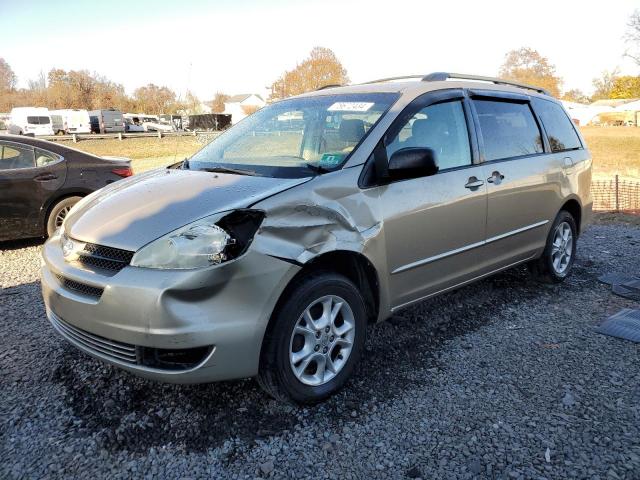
{"x": 204, "y": 243}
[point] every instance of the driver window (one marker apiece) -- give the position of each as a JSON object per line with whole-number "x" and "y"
{"x": 441, "y": 127}
{"x": 15, "y": 156}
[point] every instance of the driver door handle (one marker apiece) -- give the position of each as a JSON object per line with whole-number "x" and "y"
{"x": 474, "y": 183}
{"x": 45, "y": 177}
{"x": 496, "y": 178}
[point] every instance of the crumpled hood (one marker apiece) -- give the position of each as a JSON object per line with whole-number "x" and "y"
{"x": 132, "y": 212}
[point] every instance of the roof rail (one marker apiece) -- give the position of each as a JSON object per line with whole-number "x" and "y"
{"x": 331, "y": 85}
{"x": 403, "y": 77}
{"x": 442, "y": 76}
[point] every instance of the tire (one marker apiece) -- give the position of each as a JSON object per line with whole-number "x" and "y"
{"x": 58, "y": 212}
{"x": 316, "y": 294}
{"x": 549, "y": 268}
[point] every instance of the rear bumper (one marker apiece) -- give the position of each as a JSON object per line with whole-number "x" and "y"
{"x": 224, "y": 308}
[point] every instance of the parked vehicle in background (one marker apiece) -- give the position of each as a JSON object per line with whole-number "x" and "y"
{"x": 30, "y": 121}
{"x": 148, "y": 123}
{"x": 40, "y": 181}
{"x": 158, "y": 126}
{"x": 106, "y": 121}
{"x": 73, "y": 120}
{"x": 4, "y": 121}
{"x": 57, "y": 124}
{"x": 175, "y": 120}
{"x": 213, "y": 122}
{"x": 269, "y": 251}
{"x": 151, "y": 123}
{"x": 131, "y": 126}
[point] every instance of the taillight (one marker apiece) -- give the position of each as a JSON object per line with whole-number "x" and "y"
{"x": 123, "y": 172}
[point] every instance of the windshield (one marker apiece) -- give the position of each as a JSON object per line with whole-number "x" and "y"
{"x": 297, "y": 137}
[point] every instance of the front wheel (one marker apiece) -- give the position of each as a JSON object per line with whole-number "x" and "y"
{"x": 315, "y": 341}
{"x": 560, "y": 251}
{"x": 59, "y": 212}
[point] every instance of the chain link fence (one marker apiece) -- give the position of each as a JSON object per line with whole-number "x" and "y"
{"x": 616, "y": 195}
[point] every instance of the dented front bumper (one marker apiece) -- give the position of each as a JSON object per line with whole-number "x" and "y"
{"x": 224, "y": 308}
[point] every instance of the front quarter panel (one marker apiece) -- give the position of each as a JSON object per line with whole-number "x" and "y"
{"x": 330, "y": 213}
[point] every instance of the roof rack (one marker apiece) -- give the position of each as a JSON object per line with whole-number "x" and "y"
{"x": 389, "y": 79}
{"x": 441, "y": 76}
{"x": 331, "y": 85}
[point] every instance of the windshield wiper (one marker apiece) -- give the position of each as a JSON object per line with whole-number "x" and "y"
{"x": 221, "y": 169}
{"x": 317, "y": 168}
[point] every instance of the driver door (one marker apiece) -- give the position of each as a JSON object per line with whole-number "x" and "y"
{"x": 434, "y": 226}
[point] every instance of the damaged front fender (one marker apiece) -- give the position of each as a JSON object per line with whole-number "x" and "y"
{"x": 335, "y": 215}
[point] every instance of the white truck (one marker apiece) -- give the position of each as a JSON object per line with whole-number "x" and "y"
{"x": 30, "y": 121}
{"x": 72, "y": 121}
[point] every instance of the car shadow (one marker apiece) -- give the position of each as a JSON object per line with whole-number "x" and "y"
{"x": 22, "y": 243}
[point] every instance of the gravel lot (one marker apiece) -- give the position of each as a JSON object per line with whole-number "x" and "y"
{"x": 502, "y": 379}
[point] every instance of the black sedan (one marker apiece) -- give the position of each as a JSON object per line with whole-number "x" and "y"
{"x": 40, "y": 181}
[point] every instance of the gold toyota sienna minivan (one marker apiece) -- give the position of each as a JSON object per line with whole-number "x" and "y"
{"x": 269, "y": 251}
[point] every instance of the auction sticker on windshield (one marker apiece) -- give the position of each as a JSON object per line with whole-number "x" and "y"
{"x": 350, "y": 106}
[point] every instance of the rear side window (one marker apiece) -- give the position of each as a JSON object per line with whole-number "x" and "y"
{"x": 508, "y": 129}
{"x": 13, "y": 157}
{"x": 44, "y": 158}
{"x": 38, "y": 120}
{"x": 562, "y": 135}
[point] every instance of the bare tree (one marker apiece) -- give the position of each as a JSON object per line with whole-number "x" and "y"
{"x": 154, "y": 99}
{"x": 319, "y": 69}
{"x": 575, "y": 95}
{"x": 527, "y": 65}
{"x": 217, "y": 104}
{"x": 8, "y": 79}
{"x": 632, "y": 37}
{"x": 603, "y": 85}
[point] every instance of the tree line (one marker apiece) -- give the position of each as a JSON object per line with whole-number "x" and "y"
{"x": 83, "y": 89}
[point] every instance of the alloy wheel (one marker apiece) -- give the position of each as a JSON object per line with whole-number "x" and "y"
{"x": 61, "y": 215}
{"x": 322, "y": 340}
{"x": 562, "y": 248}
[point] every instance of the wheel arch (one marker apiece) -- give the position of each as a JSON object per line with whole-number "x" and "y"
{"x": 573, "y": 206}
{"x": 45, "y": 211}
{"x": 353, "y": 265}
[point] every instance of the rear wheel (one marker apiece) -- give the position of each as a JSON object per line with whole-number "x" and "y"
{"x": 316, "y": 340}
{"x": 58, "y": 213}
{"x": 559, "y": 254}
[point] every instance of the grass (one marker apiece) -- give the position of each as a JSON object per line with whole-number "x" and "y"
{"x": 145, "y": 153}
{"x": 614, "y": 150}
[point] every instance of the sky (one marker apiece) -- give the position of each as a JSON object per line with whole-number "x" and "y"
{"x": 242, "y": 46}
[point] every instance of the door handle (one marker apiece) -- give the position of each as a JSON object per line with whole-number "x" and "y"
{"x": 496, "y": 177}
{"x": 45, "y": 177}
{"x": 474, "y": 183}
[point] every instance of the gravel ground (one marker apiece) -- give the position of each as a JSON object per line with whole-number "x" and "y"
{"x": 502, "y": 379}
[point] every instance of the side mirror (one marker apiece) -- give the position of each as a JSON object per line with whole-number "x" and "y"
{"x": 412, "y": 163}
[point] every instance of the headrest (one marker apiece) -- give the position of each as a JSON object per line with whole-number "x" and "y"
{"x": 420, "y": 127}
{"x": 351, "y": 130}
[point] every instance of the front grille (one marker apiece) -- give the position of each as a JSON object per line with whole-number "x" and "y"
{"x": 80, "y": 287}
{"x": 118, "y": 351}
{"x": 105, "y": 258}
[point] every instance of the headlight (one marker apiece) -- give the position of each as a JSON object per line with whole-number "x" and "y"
{"x": 199, "y": 244}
